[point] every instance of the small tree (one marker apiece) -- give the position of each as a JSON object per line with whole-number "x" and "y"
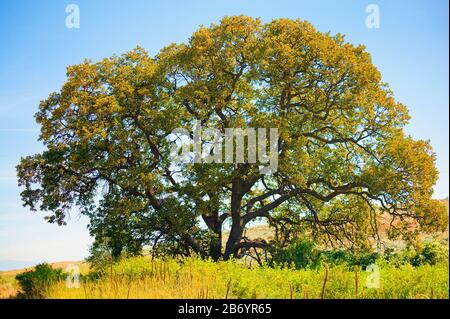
{"x": 343, "y": 156}
{"x": 34, "y": 283}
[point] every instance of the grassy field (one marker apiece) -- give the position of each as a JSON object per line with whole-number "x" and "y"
{"x": 141, "y": 277}
{"x": 9, "y": 286}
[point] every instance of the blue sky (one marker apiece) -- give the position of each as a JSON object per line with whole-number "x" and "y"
{"x": 410, "y": 48}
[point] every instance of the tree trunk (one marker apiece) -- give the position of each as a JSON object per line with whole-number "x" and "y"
{"x": 214, "y": 224}
{"x": 237, "y": 222}
{"x": 236, "y": 231}
{"x": 215, "y": 246}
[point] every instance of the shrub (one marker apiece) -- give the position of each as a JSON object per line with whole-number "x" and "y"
{"x": 304, "y": 254}
{"x": 336, "y": 257}
{"x": 34, "y": 283}
{"x": 397, "y": 258}
{"x": 431, "y": 253}
{"x": 299, "y": 254}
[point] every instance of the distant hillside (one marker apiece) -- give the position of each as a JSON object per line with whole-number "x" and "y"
{"x": 15, "y": 264}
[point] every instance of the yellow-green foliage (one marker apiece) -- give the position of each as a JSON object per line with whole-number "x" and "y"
{"x": 194, "y": 278}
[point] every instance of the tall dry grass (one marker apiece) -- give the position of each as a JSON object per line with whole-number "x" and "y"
{"x": 142, "y": 277}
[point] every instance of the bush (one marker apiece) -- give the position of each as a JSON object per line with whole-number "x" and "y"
{"x": 304, "y": 254}
{"x": 299, "y": 254}
{"x": 396, "y": 258}
{"x": 431, "y": 253}
{"x": 34, "y": 283}
{"x": 344, "y": 257}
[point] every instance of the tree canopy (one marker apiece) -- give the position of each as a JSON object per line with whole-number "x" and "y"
{"x": 343, "y": 157}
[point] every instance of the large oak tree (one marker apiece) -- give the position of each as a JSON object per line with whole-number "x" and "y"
{"x": 343, "y": 156}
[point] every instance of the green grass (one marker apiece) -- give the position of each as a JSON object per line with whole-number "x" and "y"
{"x": 140, "y": 277}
